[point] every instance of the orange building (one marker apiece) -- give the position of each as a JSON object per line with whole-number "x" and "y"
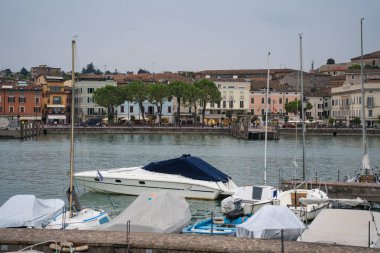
{"x": 21, "y": 100}
{"x": 54, "y": 99}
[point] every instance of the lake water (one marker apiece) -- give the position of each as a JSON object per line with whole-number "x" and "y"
{"x": 40, "y": 165}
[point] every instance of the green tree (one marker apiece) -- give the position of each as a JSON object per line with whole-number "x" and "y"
{"x": 137, "y": 92}
{"x": 296, "y": 108}
{"x": 210, "y": 94}
{"x": 357, "y": 121}
{"x": 143, "y": 71}
{"x": 24, "y": 72}
{"x": 330, "y": 61}
{"x": 178, "y": 90}
{"x": 158, "y": 94}
{"x": 193, "y": 95}
{"x": 90, "y": 68}
{"x": 354, "y": 66}
{"x": 109, "y": 97}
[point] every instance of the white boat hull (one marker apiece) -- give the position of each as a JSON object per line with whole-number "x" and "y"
{"x": 82, "y": 220}
{"x": 134, "y": 181}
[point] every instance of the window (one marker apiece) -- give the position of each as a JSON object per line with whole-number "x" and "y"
{"x": 55, "y": 89}
{"x": 22, "y": 109}
{"x": 90, "y": 100}
{"x": 11, "y": 109}
{"x": 224, "y": 104}
{"x": 212, "y": 105}
{"x": 370, "y": 101}
{"x": 11, "y": 99}
{"x": 122, "y": 108}
{"x": 352, "y": 77}
{"x": 280, "y": 101}
{"x": 369, "y": 113}
{"x": 218, "y": 104}
{"x": 1, "y": 109}
{"x": 252, "y": 100}
{"x": 90, "y": 90}
{"x": 150, "y": 110}
{"x": 131, "y": 109}
{"x": 360, "y": 100}
{"x": 90, "y": 111}
{"x": 57, "y": 100}
{"x": 262, "y": 112}
{"x": 286, "y": 100}
{"x": 37, "y": 100}
{"x": 241, "y": 104}
{"x": 169, "y": 109}
{"x": 268, "y": 101}
{"x": 22, "y": 99}
{"x": 262, "y": 100}
{"x": 231, "y": 104}
{"x": 37, "y": 109}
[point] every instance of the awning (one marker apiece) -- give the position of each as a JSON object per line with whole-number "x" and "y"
{"x": 30, "y": 118}
{"x": 55, "y": 106}
{"x": 56, "y": 117}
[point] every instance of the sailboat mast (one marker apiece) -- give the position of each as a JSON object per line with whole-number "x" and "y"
{"x": 362, "y": 89}
{"x": 72, "y": 130}
{"x": 303, "y": 115}
{"x": 266, "y": 126}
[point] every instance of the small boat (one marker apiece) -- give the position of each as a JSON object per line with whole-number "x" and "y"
{"x": 160, "y": 212}
{"x": 253, "y": 197}
{"x": 305, "y": 212}
{"x": 272, "y": 222}
{"x": 28, "y": 211}
{"x": 187, "y": 176}
{"x": 224, "y": 225}
{"x": 75, "y": 217}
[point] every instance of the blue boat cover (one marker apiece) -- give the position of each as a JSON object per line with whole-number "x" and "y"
{"x": 188, "y": 166}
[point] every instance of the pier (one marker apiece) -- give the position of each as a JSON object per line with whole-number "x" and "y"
{"x": 12, "y": 239}
{"x": 367, "y": 191}
{"x": 23, "y": 131}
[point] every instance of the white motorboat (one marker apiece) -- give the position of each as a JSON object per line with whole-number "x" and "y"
{"x": 75, "y": 217}
{"x": 305, "y": 212}
{"x": 254, "y": 196}
{"x": 187, "y": 176}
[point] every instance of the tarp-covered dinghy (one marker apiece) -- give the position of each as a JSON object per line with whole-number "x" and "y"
{"x": 268, "y": 222}
{"x": 187, "y": 176}
{"x": 161, "y": 212}
{"x": 29, "y": 211}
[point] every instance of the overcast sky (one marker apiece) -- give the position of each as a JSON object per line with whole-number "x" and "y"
{"x": 192, "y": 35}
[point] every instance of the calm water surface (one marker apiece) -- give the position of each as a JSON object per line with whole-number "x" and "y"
{"x": 40, "y": 165}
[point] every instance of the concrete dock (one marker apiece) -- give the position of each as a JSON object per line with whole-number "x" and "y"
{"x": 100, "y": 241}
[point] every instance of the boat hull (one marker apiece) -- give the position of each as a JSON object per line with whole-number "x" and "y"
{"x": 135, "y": 185}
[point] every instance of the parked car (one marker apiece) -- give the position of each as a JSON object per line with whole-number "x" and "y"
{"x": 93, "y": 122}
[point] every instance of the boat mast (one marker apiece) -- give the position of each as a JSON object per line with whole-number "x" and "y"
{"x": 72, "y": 130}
{"x": 303, "y": 115}
{"x": 266, "y": 126}
{"x": 362, "y": 89}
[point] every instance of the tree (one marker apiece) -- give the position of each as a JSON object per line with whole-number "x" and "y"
{"x": 158, "y": 94}
{"x": 357, "y": 121}
{"x": 193, "y": 95}
{"x": 330, "y": 61}
{"x": 210, "y": 94}
{"x": 136, "y": 92}
{"x": 24, "y": 72}
{"x": 143, "y": 71}
{"x": 109, "y": 97}
{"x": 90, "y": 68}
{"x": 296, "y": 108}
{"x": 177, "y": 90}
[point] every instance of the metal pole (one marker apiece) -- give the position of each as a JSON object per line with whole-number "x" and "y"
{"x": 303, "y": 115}
{"x": 362, "y": 90}
{"x": 282, "y": 241}
{"x": 266, "y": 126}
{"x": 369, "y": 234}
{"x": 72, "y": 132}
{"x": 212, "y": 223}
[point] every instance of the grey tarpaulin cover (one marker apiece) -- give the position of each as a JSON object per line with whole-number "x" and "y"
{"x": 267, "y": 223}
{"x": 28, "y": 211}
{"x": 161, "y": 212}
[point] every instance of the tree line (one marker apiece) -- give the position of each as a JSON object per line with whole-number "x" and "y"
{"x": 193, "y": 95}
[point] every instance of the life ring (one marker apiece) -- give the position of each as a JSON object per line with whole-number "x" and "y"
{"x": 68, "y": 247}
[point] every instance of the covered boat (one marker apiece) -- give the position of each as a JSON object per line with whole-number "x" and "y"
{"x": 161, "y": 212}
{"x": 186, "y": 176}
{"x": 268, "y": 222}
{"x": 344, "y": 227}
{"x": 28, "y": 211}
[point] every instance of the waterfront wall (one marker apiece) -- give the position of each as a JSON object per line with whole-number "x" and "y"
{"x": 12, "y": 239}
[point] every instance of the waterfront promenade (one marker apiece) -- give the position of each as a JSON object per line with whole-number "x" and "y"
{"x": 107, "y": 241}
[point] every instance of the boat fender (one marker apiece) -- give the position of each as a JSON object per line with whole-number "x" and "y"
{"x": 68, "y": 247}
{"x": 218, "y": 220}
